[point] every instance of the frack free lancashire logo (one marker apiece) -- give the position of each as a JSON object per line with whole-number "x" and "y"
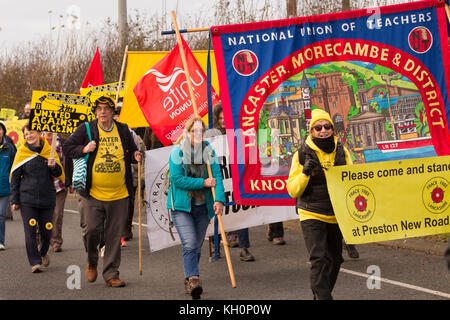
{"x": 360, "y": 203}
{"x": 435, "y": 195}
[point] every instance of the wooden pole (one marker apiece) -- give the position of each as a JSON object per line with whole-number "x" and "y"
{"x": 121, "y": 73}
{"x": 52, "y": 151}
{"x": 447, "y": 11}
{"x": 194, "y": 105}
{"x": 140, "y": 219}
{"x": 184, "y": 31}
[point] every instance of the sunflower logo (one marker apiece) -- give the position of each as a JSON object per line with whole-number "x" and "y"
{"x": 435, "y": 196}
{"x": 32, "y": 222}
{"x": 360, "y": 203}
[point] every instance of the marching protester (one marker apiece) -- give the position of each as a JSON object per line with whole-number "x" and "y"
{"x": 308, "y": 184}
{"x": 108, "y": 185}
{"x": 239, "y": 238}
{"x": 7, "y": 154}
{"x": 190, "y": 197}
{"x": 275, "y": 233}
{"x": 26, "y": 111}
{"x": 33, "y": 192}
{"x": 61, "y": 194}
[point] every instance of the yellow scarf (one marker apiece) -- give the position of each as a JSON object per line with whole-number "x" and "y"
{"x": 24, "y": 155}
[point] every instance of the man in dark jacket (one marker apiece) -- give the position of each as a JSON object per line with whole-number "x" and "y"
{"x": 109, "y": 184}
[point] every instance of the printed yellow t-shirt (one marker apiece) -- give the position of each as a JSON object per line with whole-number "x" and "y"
{"x": 108, "y": 173}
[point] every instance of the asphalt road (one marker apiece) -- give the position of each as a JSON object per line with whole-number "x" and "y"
{"x": 279, "y": 272}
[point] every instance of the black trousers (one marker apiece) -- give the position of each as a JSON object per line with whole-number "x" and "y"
{"x": 33, "y": 217}
{"x": 277, "y": 229}
{"x": 324, "y": 244}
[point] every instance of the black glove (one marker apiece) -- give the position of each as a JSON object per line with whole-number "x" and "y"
{"x": 309, "y": 166}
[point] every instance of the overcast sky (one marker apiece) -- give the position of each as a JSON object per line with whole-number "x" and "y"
{"x": 24, "y": 20}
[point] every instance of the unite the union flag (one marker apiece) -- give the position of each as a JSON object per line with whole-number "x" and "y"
{"x": 164, "y": 98}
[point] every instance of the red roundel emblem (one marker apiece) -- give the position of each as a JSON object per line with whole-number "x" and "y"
{"x": 360, "y": 203}
{"x": 245, "y": 62}
{"x": 420, "y": 39}
{"x": 437, "y": 195}
{"x": 14, "y": 137}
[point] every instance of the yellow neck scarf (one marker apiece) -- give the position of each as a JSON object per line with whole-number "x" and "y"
{"x": 24, "y": 155}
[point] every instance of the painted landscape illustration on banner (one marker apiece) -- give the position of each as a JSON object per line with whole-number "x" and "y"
{"x": 378, "y": 114}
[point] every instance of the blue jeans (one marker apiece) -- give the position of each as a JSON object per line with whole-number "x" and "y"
{"x": 3, "y": 207}
{"x": 191, "y": 228}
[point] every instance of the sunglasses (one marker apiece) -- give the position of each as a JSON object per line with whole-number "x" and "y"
{"x": 319, "y": 127}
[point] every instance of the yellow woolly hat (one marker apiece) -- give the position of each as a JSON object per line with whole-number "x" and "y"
{"x": 319, "y": 114}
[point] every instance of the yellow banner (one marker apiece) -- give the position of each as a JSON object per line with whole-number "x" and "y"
{"x": 14, "y": 131}
{"x": 138, "y": 63}
{"x": 109, "y": 90}
{"x": 6, "y": 113}
{"x": 391, "y": 200}
{"x": 58, "y": 112}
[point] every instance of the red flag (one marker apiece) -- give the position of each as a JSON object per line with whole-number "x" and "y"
{"x": 163, "y": 94}
{"x": 94, "y": 76}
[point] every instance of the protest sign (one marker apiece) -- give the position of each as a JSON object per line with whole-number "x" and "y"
{"x": 7, "y": 113}
{"x": 58, "y": 112}
{"x": 391, "y": 200}
{"x": 235, "y": 216}
{"x": 387, "y": 95}
{"x": 109, "y": 90}
{"x": 14, "y": 131}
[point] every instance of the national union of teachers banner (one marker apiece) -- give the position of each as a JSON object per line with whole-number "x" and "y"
{"x": 391, "y": 200}
{"x": 382, "y": 75}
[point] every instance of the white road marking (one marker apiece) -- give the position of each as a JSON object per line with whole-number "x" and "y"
{"x": 360, "y": 274}
{"x": 397, "y": 283}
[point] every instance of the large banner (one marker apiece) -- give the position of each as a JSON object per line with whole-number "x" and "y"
{"x": 381, "y": 74}
{"x": 235, "y": 216}
{"x": 370, "y": 200}
{"x": 58, "y": 112}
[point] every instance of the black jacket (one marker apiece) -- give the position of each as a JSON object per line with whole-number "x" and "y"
{"x": 315, "y": 198}
{"x": 73, "y": 148}
{"x": 32, "y": 184}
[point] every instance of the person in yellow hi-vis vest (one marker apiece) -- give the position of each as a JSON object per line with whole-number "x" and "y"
{"x": 307, "y": 183}
{"x": 104, "y": 202}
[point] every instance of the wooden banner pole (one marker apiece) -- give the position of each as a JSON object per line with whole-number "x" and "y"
{"x": 52, "y": 151}
{"x": 140, "y": 217}
{"x": 194, "y": 105}
{"x": 121, "y": 73}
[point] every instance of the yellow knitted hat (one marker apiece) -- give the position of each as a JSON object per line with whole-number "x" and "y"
{"x": 319, "y": 114}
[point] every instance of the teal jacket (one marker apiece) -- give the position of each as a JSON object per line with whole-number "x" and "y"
{"x": 180, "y": 184}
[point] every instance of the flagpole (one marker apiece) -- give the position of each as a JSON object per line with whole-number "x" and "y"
{"x": 194, "y": 105}
{"x": 121, "y": 73}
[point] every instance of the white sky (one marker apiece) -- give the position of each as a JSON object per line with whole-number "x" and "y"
{"x": 25, "y": 20}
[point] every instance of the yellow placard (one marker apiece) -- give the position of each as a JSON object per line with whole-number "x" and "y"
{"x": 138, "y": 63}
{"x": 391, "y": 200}
{"x": 110, "y": 90}
{"x": 14, "y": 131}
{"x": 58, "y": 112}
{"x": 7, "y": 113}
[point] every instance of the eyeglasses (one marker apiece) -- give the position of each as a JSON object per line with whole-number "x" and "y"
{"x": 319, "y": 127}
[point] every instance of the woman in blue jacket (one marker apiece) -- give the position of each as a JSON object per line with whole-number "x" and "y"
{"x": 7, "y": 153}
{"x": 190, "y": 197}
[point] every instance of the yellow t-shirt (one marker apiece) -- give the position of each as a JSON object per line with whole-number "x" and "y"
{"x": 108, "y": 173}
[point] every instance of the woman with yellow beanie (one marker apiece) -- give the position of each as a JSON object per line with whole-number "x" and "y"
{"x": 307, "y": 183}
